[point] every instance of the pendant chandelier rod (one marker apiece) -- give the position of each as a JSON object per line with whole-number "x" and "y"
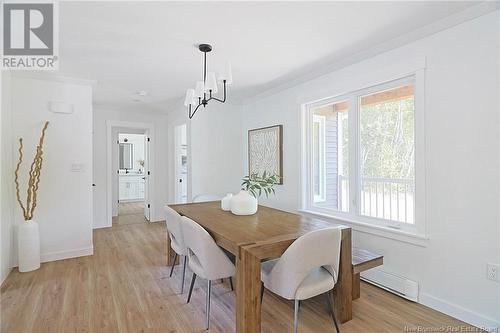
{"x": 204, "y": 74}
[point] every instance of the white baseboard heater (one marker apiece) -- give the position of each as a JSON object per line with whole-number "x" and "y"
{"x": 393, "y": 283}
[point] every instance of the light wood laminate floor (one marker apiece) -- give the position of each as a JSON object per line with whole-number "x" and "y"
{"x": 129, "y": 213}
{"x": 125, "y": 287}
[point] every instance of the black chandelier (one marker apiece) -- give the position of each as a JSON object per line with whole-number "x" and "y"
{"x": 202, "y": 94}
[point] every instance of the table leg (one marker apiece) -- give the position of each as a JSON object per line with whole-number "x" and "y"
{"x": 356, "y": 288}
{"x": 342, "y": 293}
{"x": 248, "y": 316}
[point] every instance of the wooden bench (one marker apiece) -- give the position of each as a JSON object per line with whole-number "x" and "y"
{"x": 362, "y": 260}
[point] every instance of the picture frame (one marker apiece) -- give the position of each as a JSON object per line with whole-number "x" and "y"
{"x": 265, "y": 151}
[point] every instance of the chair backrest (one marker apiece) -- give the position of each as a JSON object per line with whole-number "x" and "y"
{"x": 206, "y": 259}
{"x": 174, "y": 228}
{"x": 319, "y": 248}
{"x": 206, "y": 197}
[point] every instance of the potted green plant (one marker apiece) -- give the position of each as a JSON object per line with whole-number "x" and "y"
{"x": 252, "y": 187}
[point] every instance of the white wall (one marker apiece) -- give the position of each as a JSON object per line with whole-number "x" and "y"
{"x": 64, "y": 199}
{"x": 158, "y": 187}
{"x": 6, "y": 199}
{"x": 215, "y": 149}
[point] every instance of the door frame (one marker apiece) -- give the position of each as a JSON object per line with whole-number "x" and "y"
{"x": 179, "y": 120}
{"x": 176, "y": 162}
{"x": 112, "y": 125}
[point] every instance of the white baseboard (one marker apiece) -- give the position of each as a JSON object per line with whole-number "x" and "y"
{"x": 61, "y": 255}
{"x": 2, "y": 279}
{"x": 456, "y": 311}
{"x": 53, "y": 256}
{"x": 102, "y": 226}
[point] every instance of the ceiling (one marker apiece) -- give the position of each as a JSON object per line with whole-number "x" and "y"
{"x": 129, "y": 47}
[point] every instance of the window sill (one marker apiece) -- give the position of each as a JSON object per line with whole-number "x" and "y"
{"x": 386, "y": 232}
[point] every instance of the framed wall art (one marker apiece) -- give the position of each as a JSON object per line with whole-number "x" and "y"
{"x": 265, "y": 151}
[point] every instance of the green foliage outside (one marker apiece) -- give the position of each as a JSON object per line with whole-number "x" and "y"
{"x": 387, "y": 139}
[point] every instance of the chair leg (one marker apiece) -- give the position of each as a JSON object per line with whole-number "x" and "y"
{"x": 221, "y": 280}
{"x": 261, "y": 292}
{"x": 183, "y": 274}
{"x": 173, "y": 265}
{"x": 332, "y": 312}
{"x": 209, "y": 291}
{"x": 296, "y": 317}
{"x": 231, "y": 283}
{"x": 191, "y": 287}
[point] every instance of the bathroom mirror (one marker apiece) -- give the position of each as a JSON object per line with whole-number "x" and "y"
{"x": 126, "y": 158}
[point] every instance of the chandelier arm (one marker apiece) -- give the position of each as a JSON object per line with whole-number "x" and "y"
{"x": 192, "y": 114}
{"x": 223, "y": 100}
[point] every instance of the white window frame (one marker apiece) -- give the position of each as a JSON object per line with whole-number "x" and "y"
{"x": 308, "y": 120}
{"x": 322, "y": 163}
{"x": 353, "y": 216}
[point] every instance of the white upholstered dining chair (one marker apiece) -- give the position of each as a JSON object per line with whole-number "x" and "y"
{"x": 309, "y": 267}
{"x": 174, "y": 231}
{"x": 206, "y": 259}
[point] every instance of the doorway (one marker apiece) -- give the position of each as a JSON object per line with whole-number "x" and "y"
{"x": 181, "y": 163}
{"x": 130, "y": 172}
{"x": 132, "y": 160}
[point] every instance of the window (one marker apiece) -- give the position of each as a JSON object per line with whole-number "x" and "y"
{"x": 330, "y": 156}
{"x": 361, "y": 155}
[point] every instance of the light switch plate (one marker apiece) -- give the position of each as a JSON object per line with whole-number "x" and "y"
{"x": 493, "y": 272}
{"x": 77, "y": 167}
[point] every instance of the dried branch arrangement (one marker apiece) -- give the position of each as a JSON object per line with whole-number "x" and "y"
{"x": 34, "y": 176}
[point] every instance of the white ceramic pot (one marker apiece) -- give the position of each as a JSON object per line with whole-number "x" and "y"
{"x": 243, "y": 203}
{"x": 28, "y": 246}
{"x": 225, "y": 203}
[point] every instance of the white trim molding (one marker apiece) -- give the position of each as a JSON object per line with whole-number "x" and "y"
{"x": 2, "y": 280}
{"x": 456, "y": 311}
{"x": 393, "y": 234}
{"x": 60, "y": 255}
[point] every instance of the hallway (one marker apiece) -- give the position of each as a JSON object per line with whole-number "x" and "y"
{"x": 129, "y": 213}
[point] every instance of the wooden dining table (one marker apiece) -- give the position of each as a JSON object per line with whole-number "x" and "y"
{"x": 259, "y": 237}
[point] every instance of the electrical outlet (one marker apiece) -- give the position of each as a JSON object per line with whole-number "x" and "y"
{"x": 493, "y": 272}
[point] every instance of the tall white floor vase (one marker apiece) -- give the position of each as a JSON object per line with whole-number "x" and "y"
{"x": 28, "y": 246}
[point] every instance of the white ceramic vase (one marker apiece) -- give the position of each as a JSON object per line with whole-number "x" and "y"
{"x": 28, "y": 246}
{"x": 225, "y": 203}
{"x": 243, "y": 203}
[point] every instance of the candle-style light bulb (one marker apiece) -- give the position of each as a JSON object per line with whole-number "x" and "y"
{"x": 227, "y": 74}
{"x": 211, "y": 83}
{"x": 200, "y": 89}
{"x": 189, "y": 97}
